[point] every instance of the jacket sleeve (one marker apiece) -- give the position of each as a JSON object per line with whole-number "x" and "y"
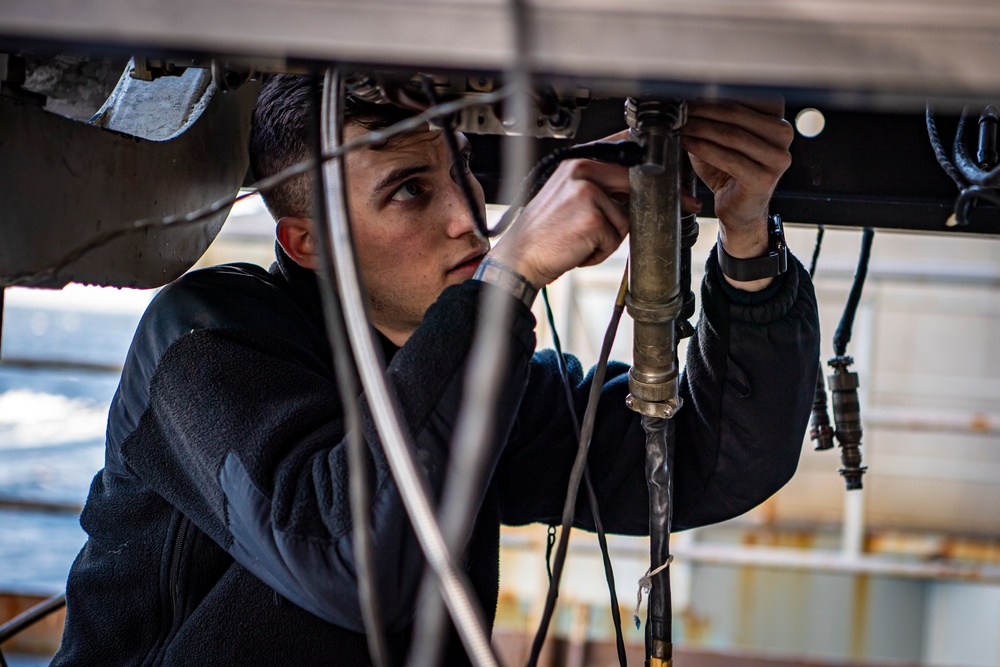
{"x": 244, "y": 434}
{"x": 747, "y": 388}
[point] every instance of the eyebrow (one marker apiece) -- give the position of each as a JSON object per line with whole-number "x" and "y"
{"x": 398, "y": 175}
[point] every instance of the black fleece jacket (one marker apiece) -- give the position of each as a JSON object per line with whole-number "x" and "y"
{"x": 219, "y": 529}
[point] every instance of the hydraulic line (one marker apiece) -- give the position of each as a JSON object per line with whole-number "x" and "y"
{"x": 454, "y": 586}
{"x": 357, "y": 452}
{"x": 819, "y": 431}
{"x": 655, "y": 302}
{"x": 844, "y": 384}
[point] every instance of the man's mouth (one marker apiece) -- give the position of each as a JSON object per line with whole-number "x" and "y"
{"x": 468, "y": 266}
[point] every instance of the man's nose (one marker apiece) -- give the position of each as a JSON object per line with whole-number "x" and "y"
{"x": 461, "y": 219}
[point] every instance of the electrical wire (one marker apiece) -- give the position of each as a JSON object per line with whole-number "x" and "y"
{"x": 358, "y": 456}
{"x": 31, "y": 616}
{"x": 577, "y": 471}
{"x": 820, "y": 231}
{"x": 595, "y": 509}
{"x": 461, "y": 176}
{"x": 842, "y": 336}
{"x": 966, "y": 162}
{"x": 974, "y": 183}
{"x": 939, "y": 152}
{"x": 819, "y": 431}
{"x": 626, "y": 153}
{"x": 413, "y": 490}
{"x": 306, "y": 166}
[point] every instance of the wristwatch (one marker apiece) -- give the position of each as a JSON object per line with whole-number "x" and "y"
{"x": 774, "y": 263}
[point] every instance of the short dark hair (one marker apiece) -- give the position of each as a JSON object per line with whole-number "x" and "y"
{"x": 280, "y": 136}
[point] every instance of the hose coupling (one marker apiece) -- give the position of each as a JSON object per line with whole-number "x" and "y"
{"x": 847, "y": 417}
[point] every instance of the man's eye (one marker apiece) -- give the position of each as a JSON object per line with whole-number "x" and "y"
{"x": 461, "y": 167}
{"x": 407, "y": 191}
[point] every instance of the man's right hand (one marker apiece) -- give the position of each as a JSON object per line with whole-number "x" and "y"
{"x": 575, "y": 220}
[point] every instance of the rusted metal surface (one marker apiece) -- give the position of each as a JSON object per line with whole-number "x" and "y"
{"x": 41, "y": 638}
{"x": 602, "y": 653}
{"x": 860, "y": 604}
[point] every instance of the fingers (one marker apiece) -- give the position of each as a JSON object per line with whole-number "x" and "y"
{"x": 734, "y": 145}
{"x": 708, "y": 120}
{"x": 611, "y": 178}
{"x": 750, "y": 159}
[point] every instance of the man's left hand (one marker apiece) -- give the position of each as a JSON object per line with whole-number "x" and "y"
{"x": 740, "y": 151}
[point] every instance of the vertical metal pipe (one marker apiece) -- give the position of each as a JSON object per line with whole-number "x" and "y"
{"x": 655, "y": 301}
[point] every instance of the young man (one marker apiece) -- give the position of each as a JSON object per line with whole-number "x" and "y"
{"x": 220, "y": 526}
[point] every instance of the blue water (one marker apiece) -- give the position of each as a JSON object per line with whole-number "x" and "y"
{"x": 52, "y": 425}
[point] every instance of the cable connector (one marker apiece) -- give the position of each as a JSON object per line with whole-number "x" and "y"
{"x": 847, "y": 417}
{"x": 820, "y": 431}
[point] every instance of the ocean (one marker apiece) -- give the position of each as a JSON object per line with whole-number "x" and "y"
{"x": 52, "y": 421}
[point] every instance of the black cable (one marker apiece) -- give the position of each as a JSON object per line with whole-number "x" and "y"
{"x": 31, "y": 616}
{"x": 595, "y": 510}
{"x": 843, "y": 383}
{"x": 550, "y": 542}
{"x": 966, "y": 161}
{"x": 358, "y": 456}
{"x": 461, "y": 175}
{"x": 820, "y": 231}
{"x": 939, "y": 151}
{"x": 843, "y": 334}
{"x": 577, "y": 473}
{"x": 973, "y": 181}
{"x": 625, "y": 153}
{"x": 820, "y": 430}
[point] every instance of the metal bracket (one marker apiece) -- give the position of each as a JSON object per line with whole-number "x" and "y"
{"x": 155, "y": 149}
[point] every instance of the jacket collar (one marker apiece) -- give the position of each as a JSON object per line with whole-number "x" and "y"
{"x": 305, "y": 289}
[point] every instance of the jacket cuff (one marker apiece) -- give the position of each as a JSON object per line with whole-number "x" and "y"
{"x": 722, "y": 300}
{"x": 471, "y": 295}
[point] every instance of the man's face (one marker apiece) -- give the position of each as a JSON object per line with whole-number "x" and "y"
{"x": 413, "y": 231}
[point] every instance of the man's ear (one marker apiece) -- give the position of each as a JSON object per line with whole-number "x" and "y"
{"x": 298, "y": 241}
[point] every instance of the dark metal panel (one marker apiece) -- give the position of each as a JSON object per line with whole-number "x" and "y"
{"x": 62, "y": 182}
{"x": 866, "y": 169}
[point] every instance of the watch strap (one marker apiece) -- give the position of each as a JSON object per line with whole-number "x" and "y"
{"x": 506, "y": 278}
{"x": 774, "y": 263}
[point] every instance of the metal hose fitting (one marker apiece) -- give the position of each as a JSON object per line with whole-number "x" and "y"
{"x": 655, "y": 299}
{"x": 847, "y": 418}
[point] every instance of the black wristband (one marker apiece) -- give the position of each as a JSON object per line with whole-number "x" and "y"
{"x": 774, "y": 263}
